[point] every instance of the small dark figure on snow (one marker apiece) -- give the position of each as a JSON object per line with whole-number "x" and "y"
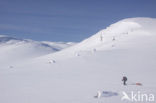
{"x": 124, "y": 79}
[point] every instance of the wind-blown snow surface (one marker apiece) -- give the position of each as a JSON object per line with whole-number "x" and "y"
{"x": 95, "y": 64}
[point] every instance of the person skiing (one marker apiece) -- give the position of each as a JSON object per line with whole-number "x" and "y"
{"x": 124, "y": 79}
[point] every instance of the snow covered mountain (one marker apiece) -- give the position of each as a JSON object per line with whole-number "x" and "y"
{"x": 75, "y": 74}
{"x": 60, "y": 45}
{"x": 14, "y": 49}
{"x": 120, "y": 33}
{"x": 134, "y": 33}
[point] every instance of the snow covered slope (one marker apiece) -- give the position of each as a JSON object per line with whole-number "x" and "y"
{"x": 120, "y": 32}
{"x": 126, "y": 48}
{"x": 134, "y": 33}
{"x": 60, "y": 45}
{"x": 14, "y": 49}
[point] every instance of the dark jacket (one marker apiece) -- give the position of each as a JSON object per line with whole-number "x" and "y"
{"x": 124, "y": 78}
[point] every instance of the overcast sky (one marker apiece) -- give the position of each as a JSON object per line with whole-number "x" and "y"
{"x": 67, "y": 20}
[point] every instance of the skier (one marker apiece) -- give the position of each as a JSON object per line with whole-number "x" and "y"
{"x": 124, "y": 79}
